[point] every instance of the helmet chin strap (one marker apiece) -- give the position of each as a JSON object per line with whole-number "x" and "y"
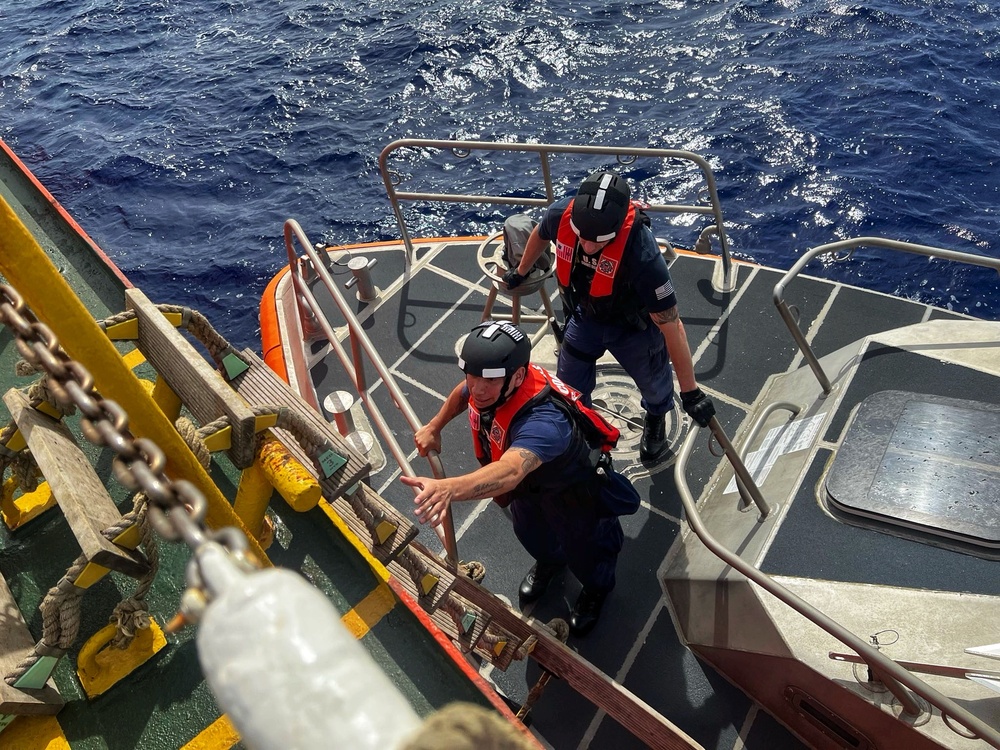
{"x": 505, "y": 393}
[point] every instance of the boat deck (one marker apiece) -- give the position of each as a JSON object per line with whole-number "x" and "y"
{"x": 738, "y": 341}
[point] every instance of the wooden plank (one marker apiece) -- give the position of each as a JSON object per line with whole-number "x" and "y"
{"x": 436, "y": 604}
{"x": 198, "y": 384}
{"x": 260, "y": 386}
{"x": 384, "y": 551}
{"x": 81, "y": 495}
{"x": 618, "y": 702}
{"x": 16, "y": 644}
{"x": 637, "y": 716}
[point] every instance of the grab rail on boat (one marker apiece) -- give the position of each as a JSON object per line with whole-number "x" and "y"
{"x": 749, "y": 491}
{"x": 891, "y": 674}
{"x": 850, "y": 245}
{"x": 355, "y": 369}
{"x": 623, "y": 155}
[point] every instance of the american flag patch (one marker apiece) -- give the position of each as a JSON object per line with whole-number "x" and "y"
{"x": 662, "y": 292}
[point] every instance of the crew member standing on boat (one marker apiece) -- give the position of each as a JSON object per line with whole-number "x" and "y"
{"x": 620, "y": 299}
{"x": 542, "y": 452}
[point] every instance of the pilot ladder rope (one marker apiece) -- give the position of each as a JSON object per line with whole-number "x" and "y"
{"x": 174, "y": 508}
{"x": 61, "y": 606}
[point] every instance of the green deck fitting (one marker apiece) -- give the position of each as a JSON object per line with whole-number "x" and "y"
{"x": 39, "y": 673}
{"x": 330, "y": 461}
{"x": 468, "y": 620}
{"x": 5, "y": 720}
{"x": 234, "y": 366}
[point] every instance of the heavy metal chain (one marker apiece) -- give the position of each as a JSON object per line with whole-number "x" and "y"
{"x": 177, "y": 508}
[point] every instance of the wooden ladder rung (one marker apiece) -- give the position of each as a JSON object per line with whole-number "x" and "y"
{"x": 386, "y": 519}
{"x": 81, "y": 495}
{"x": 260, "y": 386}
{"x": 16, "y": 644}
{"x": 197, "y": 383}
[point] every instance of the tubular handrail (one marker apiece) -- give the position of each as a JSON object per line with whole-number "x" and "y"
{"x": 851, "y": 244}
{"x": 354, "y": 366}
{"x": 891, "y": 674}
{"x": 624, "y": 155}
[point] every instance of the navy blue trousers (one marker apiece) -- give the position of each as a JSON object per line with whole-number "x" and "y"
{"x": 641, "y": 353}
{"x": 553, "y": 531}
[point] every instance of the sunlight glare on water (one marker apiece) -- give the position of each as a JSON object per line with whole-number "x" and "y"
{"x": 181, "y": 134}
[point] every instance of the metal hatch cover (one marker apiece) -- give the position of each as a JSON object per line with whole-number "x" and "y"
{"x": 922, "y": 463}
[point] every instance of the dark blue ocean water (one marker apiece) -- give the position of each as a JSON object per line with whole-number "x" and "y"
{"x": 181, "y": 133}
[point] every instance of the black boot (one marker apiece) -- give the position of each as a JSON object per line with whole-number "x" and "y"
{"x": 653, "y": 444}
{"x": 586, "y": 611}
{"x": 537, "y": 580}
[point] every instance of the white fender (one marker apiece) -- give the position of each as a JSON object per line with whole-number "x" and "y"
{"x": 285, "y": 669}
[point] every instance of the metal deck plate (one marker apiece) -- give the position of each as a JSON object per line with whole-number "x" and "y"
{"x": 922, "y": 462}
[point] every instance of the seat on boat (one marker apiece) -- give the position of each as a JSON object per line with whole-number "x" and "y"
{"x": 922, "y": 466}
{"x": 498, "y": 253}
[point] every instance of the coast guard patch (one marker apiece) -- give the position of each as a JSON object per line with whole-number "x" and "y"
{"x": 607, "y": 266}
{"x": 497, "y": 434}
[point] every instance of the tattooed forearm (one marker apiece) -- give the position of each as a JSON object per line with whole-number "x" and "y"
{"x": 665, "y": 316}
{"x": 529, "y": 461}
{"x": 485, "y": 489}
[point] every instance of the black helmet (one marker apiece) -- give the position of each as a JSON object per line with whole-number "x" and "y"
{"x": 495, "y": 350}
{"x": 600, "y": 207}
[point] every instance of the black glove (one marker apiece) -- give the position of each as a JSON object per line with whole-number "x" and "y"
{"x": 513, "y": 279}
{"x": 698, "y": 406}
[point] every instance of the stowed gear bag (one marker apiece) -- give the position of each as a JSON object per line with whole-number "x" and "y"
{"x": 516, "y": 230}
{"x": 617, "y": 495}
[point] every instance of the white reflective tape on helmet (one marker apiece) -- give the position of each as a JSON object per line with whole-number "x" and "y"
{"x": 602, "y": 193}
{"x": 494, "y": 372}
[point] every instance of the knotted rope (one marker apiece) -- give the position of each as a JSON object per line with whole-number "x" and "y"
{"x": 193, "y": 322}
{"x": 466, "y": 726}
{"x": 61, "y": 606}
{"x": 22, "y": 464}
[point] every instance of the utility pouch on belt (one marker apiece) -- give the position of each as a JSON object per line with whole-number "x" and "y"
{"x": 618, "y": 496}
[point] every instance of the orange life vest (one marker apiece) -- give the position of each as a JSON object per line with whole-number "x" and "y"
{"x": 538, "y": 384}
{"x": 607, "y": 265}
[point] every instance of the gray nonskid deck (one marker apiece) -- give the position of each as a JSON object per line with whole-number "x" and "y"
{"x": 635, "y": 642}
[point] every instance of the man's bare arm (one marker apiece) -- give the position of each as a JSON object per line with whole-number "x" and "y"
{"x": 435, "y": 495}
{"x": 428, "y": 437}
{"x": 672, "y": 327}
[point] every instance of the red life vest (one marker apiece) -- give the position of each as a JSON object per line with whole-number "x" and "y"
{"x": 539, "y": 384}
{"x": 607, "y": 265}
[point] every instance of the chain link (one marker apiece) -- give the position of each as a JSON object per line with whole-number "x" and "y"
{"x": 177, "y": 508}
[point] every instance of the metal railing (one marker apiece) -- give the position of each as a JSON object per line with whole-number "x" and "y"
{"x": 544, "y": 152}
{"x": 307, "y": 305}
{"x": 850, "y": 245}
{"x": 891, "y": 674}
